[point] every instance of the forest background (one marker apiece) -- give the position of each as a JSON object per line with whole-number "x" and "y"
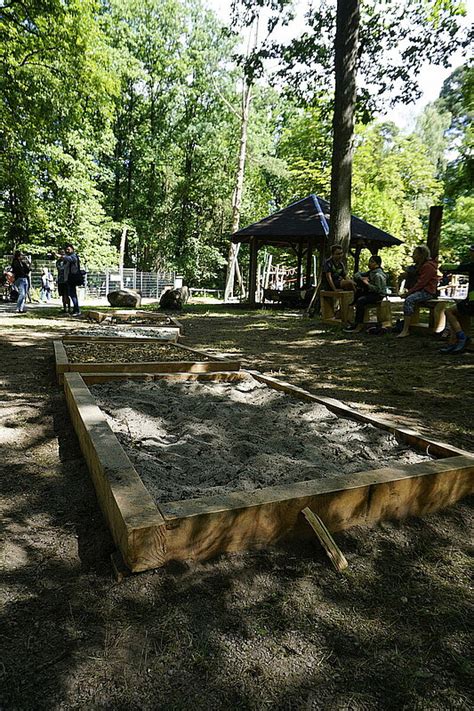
{"x": 125, "y": 115}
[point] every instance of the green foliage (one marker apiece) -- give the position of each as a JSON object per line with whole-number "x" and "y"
{"x": 126, "y": 113}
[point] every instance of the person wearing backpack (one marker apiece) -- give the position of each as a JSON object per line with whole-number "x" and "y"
{"x": 72, "y": 275}
{"x": 21, "y": 269}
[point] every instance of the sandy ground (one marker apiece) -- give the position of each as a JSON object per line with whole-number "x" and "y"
{"x": 188, "y": 440}
{"x": 276, "y": 628}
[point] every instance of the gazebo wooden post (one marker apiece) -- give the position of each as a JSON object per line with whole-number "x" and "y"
{"x": 253, "y": 270}
{"x": 358, "y": 250}
{"x": 309, "y": 265}
{"x": 299, "y": 264}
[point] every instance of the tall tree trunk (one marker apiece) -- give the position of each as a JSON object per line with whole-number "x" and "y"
{"x": 239, "y": 184}
{"x": 237, "y": 195}
{"x": 123, "y": 239}
{"x": 346, "y": 47}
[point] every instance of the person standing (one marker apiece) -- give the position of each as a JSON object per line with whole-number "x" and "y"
{"x": 46, "y": 285}
{"x": 72, "y": 275}
{"x": 21, "y": 269}
{"x": 61, "y": 282}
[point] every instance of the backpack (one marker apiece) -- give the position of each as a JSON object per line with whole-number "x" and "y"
{"x": 77, "y": 277}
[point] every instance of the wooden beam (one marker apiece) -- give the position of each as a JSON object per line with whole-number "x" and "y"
{"x": 333, "y": 551}
{"x": 136, "y": 524}
{"x": 171, "y": 366}
{"x": 253, "y": 270}
{"x": 299, "y": 264}
{"x": 309, "y": 265}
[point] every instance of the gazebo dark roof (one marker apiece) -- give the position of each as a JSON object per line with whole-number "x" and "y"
{"x": 308, "y": 220}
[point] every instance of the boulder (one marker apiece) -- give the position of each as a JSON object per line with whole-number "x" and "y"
{"x": 174, "y": 299}
{"x": 124, "y": 297}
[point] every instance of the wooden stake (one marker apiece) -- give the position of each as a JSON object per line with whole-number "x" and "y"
{"x": 327, "y": 541}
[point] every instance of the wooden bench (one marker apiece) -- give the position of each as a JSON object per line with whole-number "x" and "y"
{"x": 383, "y": 312}
{"x": 437, "y": 317}
{"x": 329, "y": 299}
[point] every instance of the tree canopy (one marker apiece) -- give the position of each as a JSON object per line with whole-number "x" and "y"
{"x": 125, "y": 114}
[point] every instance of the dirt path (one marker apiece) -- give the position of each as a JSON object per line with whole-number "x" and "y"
{"x": 272, "y": 629}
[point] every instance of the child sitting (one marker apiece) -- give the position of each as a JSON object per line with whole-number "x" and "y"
{"x": 370, "y": 288}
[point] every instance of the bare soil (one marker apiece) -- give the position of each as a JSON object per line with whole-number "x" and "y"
{"x": 269, "y": 629}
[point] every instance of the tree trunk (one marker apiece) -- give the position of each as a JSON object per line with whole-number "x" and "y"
{"x": 346, "y": 46}
{"x": 237, "y": 196}
{"x": 434, "y": 230}
{"x": 123, "y": 240}
{"x": 239, "y": 184}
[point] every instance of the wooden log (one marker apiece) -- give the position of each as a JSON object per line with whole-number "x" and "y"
{"x": 61, "y": 360}
{"x": 172, "y": 366}
{"x": 215, "y": 376}
{"x": 203, "y": 528}
{"x": 333, "y": 551}
{"x": 136, "y": 523}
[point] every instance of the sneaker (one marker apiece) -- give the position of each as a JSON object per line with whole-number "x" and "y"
{"x": 461, "y": 345}
{"x": 448, "y": 349}
{"x": 76, "y": 313}
{"x": 351, "y": 327}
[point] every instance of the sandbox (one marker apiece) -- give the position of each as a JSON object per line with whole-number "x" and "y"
{"x": 151, "y": 528}
{"x": 135, "y": 317}
{"x": 122, "y": 358}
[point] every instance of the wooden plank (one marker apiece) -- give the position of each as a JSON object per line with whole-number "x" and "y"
{"x": 61, "y": 360}
{"x": 134, "y": 520}
{"x": 216, "y": 376}
{"x": 156, "y": 367}
{"x": 333, "y": 551}
{"x": 203, "y": 528}
{"x": 71, "y": 339}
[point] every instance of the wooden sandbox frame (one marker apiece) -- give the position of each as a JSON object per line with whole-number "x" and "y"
{"x": 150, "y": 535}
{"x": 99, "y": 315}
{"x": 115, "y": 370}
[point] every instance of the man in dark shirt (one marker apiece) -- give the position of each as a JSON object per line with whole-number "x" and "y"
{"x": 334, "y": 272}
{"x": 21, "y": 269}
{"x": 463, "y": 310}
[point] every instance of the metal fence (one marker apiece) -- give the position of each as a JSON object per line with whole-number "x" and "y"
{"x": 98, "y": 283}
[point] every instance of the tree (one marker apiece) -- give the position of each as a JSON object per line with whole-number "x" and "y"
{"x": 345, "y": 60}
{"x": 57, "y": 88}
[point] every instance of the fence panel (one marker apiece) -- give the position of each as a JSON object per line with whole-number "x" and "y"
{"x": 98, "y": 283}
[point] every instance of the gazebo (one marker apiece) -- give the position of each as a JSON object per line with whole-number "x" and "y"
{"x": 304, "y": 227}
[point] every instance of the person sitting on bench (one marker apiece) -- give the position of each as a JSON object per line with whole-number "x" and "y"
{"x": 463, "y": 310}
{"x": 426, "y": 286}
{"x": 370, "y": 288}
{"x": 335, "y": 273}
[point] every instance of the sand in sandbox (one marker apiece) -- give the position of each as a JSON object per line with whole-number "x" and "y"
{"x": 99, "y": 352}
{"x": 188, "y": 440}
{"x": 105, "y": 331}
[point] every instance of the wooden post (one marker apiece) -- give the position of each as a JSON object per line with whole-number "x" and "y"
{"x": 299, "y": 264}
{"x": 309, "y": 264}
{"x": 434, "y": 230}
{"x": 253, "y": 270}
{"x": 357, "y": 258}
